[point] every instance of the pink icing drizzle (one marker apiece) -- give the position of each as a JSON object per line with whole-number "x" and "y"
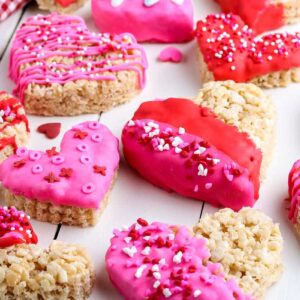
{"x": 159, "y": 261}
{"x": 181, "y": 162}
{"x": 63, "y": 178}
{"x": 54, "y": 37}
{"x": 294, "y": 191}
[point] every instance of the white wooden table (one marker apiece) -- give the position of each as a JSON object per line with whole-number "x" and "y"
{"x": 132, "y": 197}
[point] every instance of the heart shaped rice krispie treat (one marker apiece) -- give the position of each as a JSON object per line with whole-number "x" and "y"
{"x": 213, "y": 155}
{"x": 69, "y": 186}
{"x": 160, "y": 261}
{"x": 247, "y": 244}
{"x": 14, "y": 128}
{"x": 229, "y": 50}
{"x": 263, "y": 15}
{"x": 61, "y": 68}
{"x": 63, "y": 271}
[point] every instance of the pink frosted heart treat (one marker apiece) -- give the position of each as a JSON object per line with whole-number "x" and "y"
{"x": 69, "y": 186}
{"x": 164, "y": 21}
{"x": 158, "y": 261}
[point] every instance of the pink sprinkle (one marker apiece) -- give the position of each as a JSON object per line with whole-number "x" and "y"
{"x": 170, "y": 54}
{"x": 208, "y": 186}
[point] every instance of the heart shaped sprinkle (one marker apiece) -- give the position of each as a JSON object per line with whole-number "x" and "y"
{"x": 78, "y": 175}
{"x": 51, "y": 130}
{"x": 170, "y": 54}
{"x": 232, "y": 51}
{"x": 158, "y": 261}
{"x": 15, "y": 228}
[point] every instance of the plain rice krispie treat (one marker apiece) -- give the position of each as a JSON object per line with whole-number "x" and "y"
{"x": 63, "y": 271}
{"x": 62, "y": 6}
{"x": 69, "y": 186}
{"x": 247, "y": 244}
{"x": 246, "y": 106}
{"x": 14, "y": 128}
{"x": 236, "y": 53}
{"x": 61, "y": 68}
{"x": 263, "y": 15}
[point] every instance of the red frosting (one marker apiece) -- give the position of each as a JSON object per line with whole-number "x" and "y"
{"x": 232, "y": 51}
{"x": 203, "y": 122}
{"x": 10, "y": 116}
{"x": 260, "y": 15}
{"x": 15, "y": 228}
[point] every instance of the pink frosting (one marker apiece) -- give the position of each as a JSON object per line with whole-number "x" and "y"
{"x": 294, "y": 191}
{"x": 41, "y": 38}
{"x": 79, "y": 175}
{"x": 149, "y": 20}
{"x": 159, "y": 261}
{"x": 186, "y": 164}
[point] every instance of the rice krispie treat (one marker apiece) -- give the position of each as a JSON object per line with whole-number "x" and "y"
{"x": 293, "y": 182}
{"x": 70, "y": 186}
{"x": 247, "y": 107}
{"x": 62, "y": 6}
{"x": 61, "y": 68}
{"x": 263, "y": 15}
{"x": 28, "y": 272}
{"x": 14, "y": 128}
{"x": 247, "y": 244}
{"x": 175, "y": 144}
{"x": 229, "y": 50}
{"x": 165, "y": 21}
{"x": 160, "y": 261}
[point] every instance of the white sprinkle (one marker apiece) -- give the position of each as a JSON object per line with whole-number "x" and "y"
{"x": 232, "y": 68}
{"x": 155, "y": 268}
{"x": 160, "y": 147}
{"x": 127, "y": 239}
{"x": 202, "y": 171}
{"x": 146, "y": 251}
{"x": 216, "y": 161}
{"x": 178, "y": 257}
{"x": 181, "y": 130}
{"x": 171, "y": 236}
{"x": 177, "y": 141}
{"x": 154, "y": 133}
{"x": 162, "y": 261}
{"x": 139, "y": 271}
{"x": 147, "y": 238}
{"x": 200, "y": 150}
{"x": 130, "y": 251}
{"x": 147, "y": 129}
{"x": 156, "y": 275}
{"x": 166, "y": 147}
{"x": 178, "y": 150}
{"x": 197, "y": 293}
{"x": 131, "y": 123}
{"x": 167, "y": 293}
{"x": 156, "y": 284}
